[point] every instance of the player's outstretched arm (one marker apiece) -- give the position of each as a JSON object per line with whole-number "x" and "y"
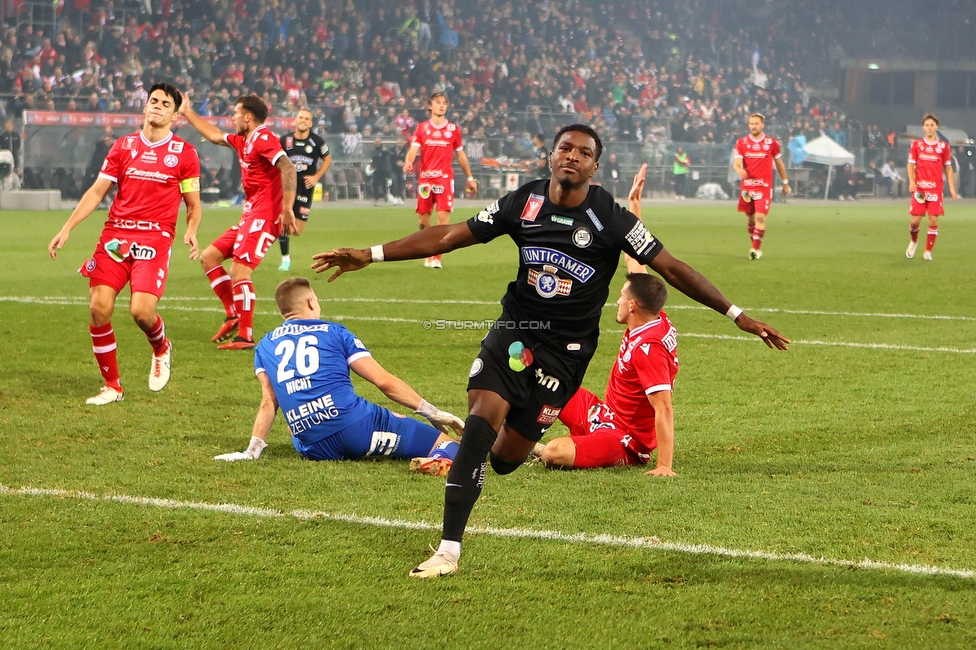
{"x": 697, "y": 287}
{"x": 206, "y": 129}
{"x": 262, "y": 424}
{"x": 664, "y": 427}
{"x": 634, "y": 202}
{"x": 194, "y": 214}
{"x": 88, "y": 203}
{"x": 424, "y": 243}
{"x": 289, "y": 187}
{"x": 400, "y": 392}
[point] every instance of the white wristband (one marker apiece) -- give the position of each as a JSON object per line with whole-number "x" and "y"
{"x": 785, "y": 182}
{"x": 733, "y": 313}
{"x": 377, "y": 253}
{"x": 470, "y": 179}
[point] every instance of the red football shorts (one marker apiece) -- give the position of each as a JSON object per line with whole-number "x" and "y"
{"x": 142, "y": 265}
{"x": 930, "y": 204}
{"x": 576, "y": 413}
{"x": 248, "y": 241}
{"x": 598, "y": 442}
{"x": 759, "y": 195}
{"x": 438, "y": 194}
{"x": 604, "y": 448}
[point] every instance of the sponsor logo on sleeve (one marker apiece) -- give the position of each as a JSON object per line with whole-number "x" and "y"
{"x": 639, "y": 238}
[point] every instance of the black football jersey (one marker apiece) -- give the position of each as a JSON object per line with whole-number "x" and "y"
{"x": 567, "y": 256}
{"x": 304, "y": 153}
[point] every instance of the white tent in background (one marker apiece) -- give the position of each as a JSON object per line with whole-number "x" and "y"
{"x": 825, "y": 151}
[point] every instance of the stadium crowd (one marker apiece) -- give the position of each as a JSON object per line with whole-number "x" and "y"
{"x": 638, "y": 70}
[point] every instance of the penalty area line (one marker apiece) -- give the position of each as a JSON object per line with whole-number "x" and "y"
{"x": 651, "y": 543}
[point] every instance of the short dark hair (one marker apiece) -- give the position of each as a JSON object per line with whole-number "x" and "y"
{"x": 930, "y": 116}
{"x": 435, "y": 95}
{"x": 580, "y": 128}
{"x": 255, "y": 106}
{"x": 170, "y": 90}
{"x": 291, "y": 293}
{"x": 648, "y": 291}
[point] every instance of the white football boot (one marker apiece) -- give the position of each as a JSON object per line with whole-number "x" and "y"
{"x": 105, "y": 396}
{"x": 159, "y": 370}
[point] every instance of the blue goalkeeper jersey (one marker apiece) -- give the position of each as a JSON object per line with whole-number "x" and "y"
{"x": 308, "y": 362}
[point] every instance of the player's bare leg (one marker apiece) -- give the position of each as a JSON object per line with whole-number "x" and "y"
{"x": 559, "y": 453}
{"x": 103, "y": 344}
{"x": 913, "y": 227}
{"x": 931, "y": 235}
{"x": 212, "y": 261}
{"x": 424, "y": 224}
{"x": 486, "y": 413}
{"x": 244, "y": 304}
{"x": 758, "y": 232}
{"x": 443, "y": 218}
{"x": 143, "y": 310}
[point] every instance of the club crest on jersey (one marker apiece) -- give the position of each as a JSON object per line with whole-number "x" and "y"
{"x": 175, "y": 146}
{"x": 582, "y": 237}
{"x": 532, "y": 207}
{"x": 171, "y": 161}
{"x": 308, "y": 148}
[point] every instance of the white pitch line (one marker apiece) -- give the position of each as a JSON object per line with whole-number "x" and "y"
{"x": 167, "y": 300}
{"x": 52, "y": 300}
{"x": 652, "y": 543}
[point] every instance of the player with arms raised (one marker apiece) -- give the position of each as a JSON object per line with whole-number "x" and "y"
{"x": 437, "y": 140}
{"x": 270, "y": 184}
{"x": 570, "y": 235}
{"x": 311, "y": 157}
{"x": 927, "y": 159}
{"x": 753, "y": 162}
{"x": 154, "y": 170}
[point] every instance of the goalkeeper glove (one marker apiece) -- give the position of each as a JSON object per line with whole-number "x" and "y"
{"x": 253, "y": 451}
{"x": 441, "y": 420}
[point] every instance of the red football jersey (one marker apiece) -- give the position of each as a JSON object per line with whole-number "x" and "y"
{"x": 437, "y": 147}
{"x": 259, "y": 176}
{"x": 930, "y": 159}
{"x": 758, "y": 156}
{"x": 151, "y": 179}
{"x": 647, "y": 363}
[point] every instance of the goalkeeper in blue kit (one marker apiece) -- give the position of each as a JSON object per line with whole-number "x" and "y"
{"x": 303, "y": 367}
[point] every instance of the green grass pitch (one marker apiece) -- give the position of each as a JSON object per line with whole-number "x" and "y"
{"x": 859, "y": 443}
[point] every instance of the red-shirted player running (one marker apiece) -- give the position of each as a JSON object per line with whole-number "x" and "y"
{"x": 270, "y": 182}
{"x": 753, "y": 162}
{"x": 927, "y": 158}
{"x": 437, "y": 140}
{"x": 154, "y": 171}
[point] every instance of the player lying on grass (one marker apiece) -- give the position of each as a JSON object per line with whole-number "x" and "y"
{"x": 636, "y": 415}
{"x": 303, "y": 367}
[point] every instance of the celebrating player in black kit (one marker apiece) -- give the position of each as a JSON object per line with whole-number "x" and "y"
{"x": 305, "y": 150}
{"x": 570, "y": 235}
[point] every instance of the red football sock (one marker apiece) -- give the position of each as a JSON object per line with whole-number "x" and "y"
{"x": 104, "y": 347}
{"x": 157, "y": 337}
{"x": 913, "y": 233}
{"x": 757, "y": 237}
{"x": 220, "y": 283}
{"x": 752, "y": 231}
{"x": 930, "y": 240}
{"x": 244, "y": 299}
